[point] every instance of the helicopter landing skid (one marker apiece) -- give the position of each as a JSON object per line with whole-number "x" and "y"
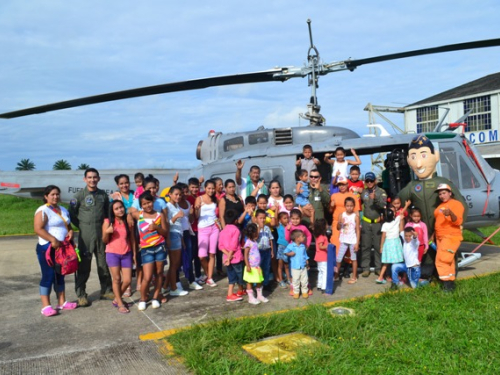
{"x": 468, "y": 258}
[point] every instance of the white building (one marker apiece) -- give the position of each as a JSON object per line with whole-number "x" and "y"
{"x": 482, "y": 96}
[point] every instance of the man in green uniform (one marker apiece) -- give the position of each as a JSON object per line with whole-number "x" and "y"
{"x": 374, "y": 203}
{"x": 87, "y": 210}
{"x": 319, "y": 195}
{"x": 422, "y": 159}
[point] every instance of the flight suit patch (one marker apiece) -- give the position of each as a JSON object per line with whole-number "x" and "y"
{"x": 89, "y": 200}
{"x": 418, "y": 188}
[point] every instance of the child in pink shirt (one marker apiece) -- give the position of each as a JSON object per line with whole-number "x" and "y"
{"x": 230, "y": 246}
{"x": 295, "y": 218}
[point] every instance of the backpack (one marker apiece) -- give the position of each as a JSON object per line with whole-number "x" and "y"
{"x": 64, "y": 259}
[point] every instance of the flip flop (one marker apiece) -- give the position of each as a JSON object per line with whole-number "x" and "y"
{"x": 352, "y": 281}
{"x": 128, "y": 292}
{"x": 123, "y": 309}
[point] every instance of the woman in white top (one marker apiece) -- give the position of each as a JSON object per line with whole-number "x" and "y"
{"x": 208, "y": 230}
{"x": 175, "y": 216}
{"x": 52, "y": 225}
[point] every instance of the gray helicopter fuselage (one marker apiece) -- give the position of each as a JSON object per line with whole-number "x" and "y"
{"x": 275, "y": 151}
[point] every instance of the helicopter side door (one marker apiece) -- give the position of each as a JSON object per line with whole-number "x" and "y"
{"x": 455, "y": 165}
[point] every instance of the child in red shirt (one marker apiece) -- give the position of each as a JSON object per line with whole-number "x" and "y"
{"x": 321, "y": 251}
{"x": 356, "y": 186}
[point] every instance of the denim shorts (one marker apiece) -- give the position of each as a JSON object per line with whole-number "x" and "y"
{"x": 235, "y": 273}
{"x": 281, "y": 254}
{"x": 175, "y": 241}
{"x": 153, "y": 254}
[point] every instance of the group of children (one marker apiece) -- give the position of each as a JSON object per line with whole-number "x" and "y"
{"x": 267, "y": 238}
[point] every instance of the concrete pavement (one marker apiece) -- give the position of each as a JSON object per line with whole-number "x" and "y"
{"x": 98, "y": 339}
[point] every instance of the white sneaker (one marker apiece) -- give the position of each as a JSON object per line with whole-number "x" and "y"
{"x": 211, "y": 283}
{"x": 254, "y": 302}
{"x": 263, "y": 299}
{"x": 165, "y": 291}
{"x": 141, "y": 306}
{"x": 195, "y": 286}
{"x": 178, "y": 292}
{"x": 155, "y": 304}
{"x": 179, "y": 286}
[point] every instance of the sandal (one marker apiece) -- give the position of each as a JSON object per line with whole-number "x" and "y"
{"x": 48, "y": 311}
{"x": 352, "y": 281}
{"x": 128, "y": 292}
{"x": 123, "y": 309}
{"x": 67, "y": 306}
{"x": 115, "y": 304}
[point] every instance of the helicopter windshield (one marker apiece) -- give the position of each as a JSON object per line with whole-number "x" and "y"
{"x": 489, "y": 172}
{"x": 455, "y": 167}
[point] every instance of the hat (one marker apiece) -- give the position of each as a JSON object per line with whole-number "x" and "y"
{"x": 341, "y": 180}
{"x": 443, "y": 187}
{"x": 370, "y": 176}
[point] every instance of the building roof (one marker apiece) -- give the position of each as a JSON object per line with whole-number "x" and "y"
{"x": 485, "y": 84}
{"x": 489, "y": 150}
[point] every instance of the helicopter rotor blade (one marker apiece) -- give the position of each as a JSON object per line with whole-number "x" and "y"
{"x": 353, "y": 64}
{"x": 263, "y": 76}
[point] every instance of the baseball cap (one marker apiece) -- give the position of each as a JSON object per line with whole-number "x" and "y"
{"x": 443, "y": 187}
{"x": 341, "y": 180}
{"x": 370, "y": 176}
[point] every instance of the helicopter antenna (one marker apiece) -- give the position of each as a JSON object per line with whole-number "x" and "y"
{"x": 315, "y": 119}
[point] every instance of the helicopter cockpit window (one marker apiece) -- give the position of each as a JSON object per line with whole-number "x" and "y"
{"x": 454, "y": 167}
{"x": 233, "y": 144}
{"x": 257, "y": 138}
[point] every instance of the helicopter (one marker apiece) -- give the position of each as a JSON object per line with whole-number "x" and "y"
{"x": 276, "y": 150}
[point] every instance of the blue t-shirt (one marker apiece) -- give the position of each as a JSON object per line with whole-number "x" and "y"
{"x": 158, "y": 205}
{"x": 299, "y": 260}
{"x": 281, "y": 236}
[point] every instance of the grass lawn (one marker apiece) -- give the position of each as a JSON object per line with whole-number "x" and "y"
{"x": 424, "y": 331}
{"x": 16, "y": 215}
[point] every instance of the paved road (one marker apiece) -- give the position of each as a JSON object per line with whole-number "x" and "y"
{"x": 97, "y": 339}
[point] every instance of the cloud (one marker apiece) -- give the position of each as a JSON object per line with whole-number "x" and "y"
{"x": 55, "y": 52}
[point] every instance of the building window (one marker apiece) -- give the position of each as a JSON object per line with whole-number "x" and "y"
{"x": 427, "y": 118}
{"x": 480, "y": 117}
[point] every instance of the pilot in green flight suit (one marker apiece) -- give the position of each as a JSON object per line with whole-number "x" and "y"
{"x": 87, "y": 211}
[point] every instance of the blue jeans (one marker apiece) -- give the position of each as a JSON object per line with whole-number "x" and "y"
{"x": 412, "y": 272}
{"x": 48, "y": 274}
{"x": 187, "y": 257}
{"x": 265, "y": 265}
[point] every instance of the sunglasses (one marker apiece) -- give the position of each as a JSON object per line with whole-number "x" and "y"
{"x": 368, "y": 181}
{"x": 314, "y": 176}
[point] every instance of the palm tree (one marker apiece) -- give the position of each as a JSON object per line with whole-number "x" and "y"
{"x": 61, "y": 165}
{"x": 25, "y": 165}
{"x": 83, "y": 167}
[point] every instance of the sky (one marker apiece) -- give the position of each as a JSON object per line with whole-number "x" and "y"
{"x": 53, "y": 51}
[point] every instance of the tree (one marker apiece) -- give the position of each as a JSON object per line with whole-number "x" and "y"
{"x": 61, "y": 165}
{"x": 25, "y": 165}
{"x": 83, "y": 167}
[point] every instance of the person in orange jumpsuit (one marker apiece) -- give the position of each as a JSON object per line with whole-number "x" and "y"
{"x": 448, "y": 232}
{"x": 338, "y": 206}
